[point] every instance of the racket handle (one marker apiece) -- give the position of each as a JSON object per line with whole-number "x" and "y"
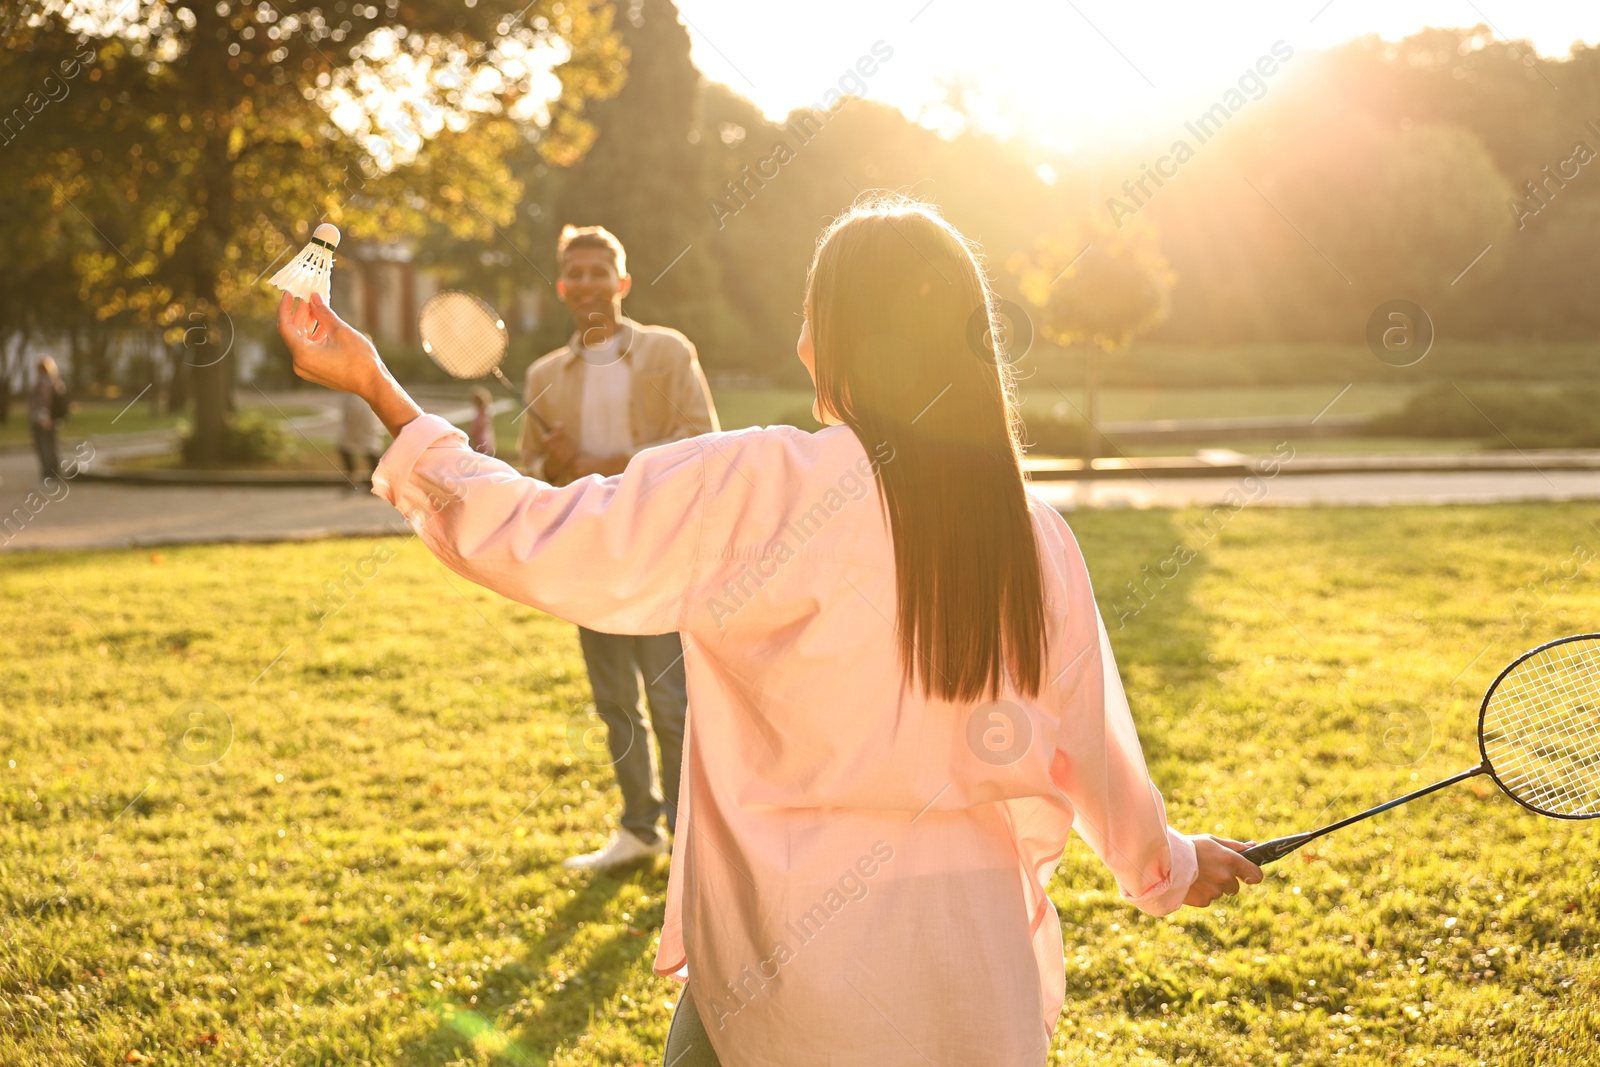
{"x": 1277, "y": 848}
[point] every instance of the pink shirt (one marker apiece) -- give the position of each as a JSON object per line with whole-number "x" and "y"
{"x": 859, "y": 872}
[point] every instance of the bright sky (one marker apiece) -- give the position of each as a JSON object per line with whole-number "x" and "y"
{"x": 1067, "y": 72}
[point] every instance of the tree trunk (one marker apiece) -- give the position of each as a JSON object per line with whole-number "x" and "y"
{"x": 178, "y": 381}
{"x": 100, "y": 371}
{"x": 210, "y": 378}
{"x": 1091, "y": 403}
{"x": 211, "y": 382}
{"x": 19, "y": 364}
{"x": 158, "y": 376}
{"x": 210, "y": 388}
{"x": 5, "y": 376}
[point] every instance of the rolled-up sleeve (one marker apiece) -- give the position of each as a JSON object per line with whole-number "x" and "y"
{"x": 1118, "y": 811}
{"x": 614, "y": 554}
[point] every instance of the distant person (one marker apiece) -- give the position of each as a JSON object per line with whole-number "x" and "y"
{"x": 47, "y": 410}
{"x": 616, "y": 388}
{"x": 905, "y": 700}
{"x": 360, "y": 437}
{"x": 481, "y": 436}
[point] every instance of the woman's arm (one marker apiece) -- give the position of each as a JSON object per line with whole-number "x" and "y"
{"x": 1118, "y": 810}
{"x": 615, "y": 555}
{"x": 1099, "y": 763}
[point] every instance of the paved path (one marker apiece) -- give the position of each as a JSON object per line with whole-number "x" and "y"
{"x": 96, "y": 515}
{"x": 114, "y": 516}
{"x": 99, "y": 515}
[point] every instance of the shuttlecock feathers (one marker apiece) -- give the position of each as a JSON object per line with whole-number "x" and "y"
{"x": 310, "y": 271}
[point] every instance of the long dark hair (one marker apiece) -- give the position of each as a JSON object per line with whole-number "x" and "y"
{"x": 901, "y": 324}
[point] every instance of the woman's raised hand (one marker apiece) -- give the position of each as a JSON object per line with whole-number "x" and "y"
{"x": 329, "y": 351}
{"x": 326, "y": 349}
{"x": 1221, "y": 869}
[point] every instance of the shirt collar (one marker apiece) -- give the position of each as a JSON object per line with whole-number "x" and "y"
{"x": 627, "y": 334}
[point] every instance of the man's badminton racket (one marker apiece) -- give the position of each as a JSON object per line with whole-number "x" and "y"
{"x": 1538, "y": 735}
{"x": 467, "y": 339}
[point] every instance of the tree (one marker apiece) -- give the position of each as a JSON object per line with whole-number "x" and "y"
{"x": 36, "y": 246}
{"x": 1099, "y": 286}
{"x": 204, "y": 140}
{"x": 643, "y": 179}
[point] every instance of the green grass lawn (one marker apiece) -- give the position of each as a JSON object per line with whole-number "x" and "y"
{"x": 1287, "y": 402}
{"x": 760, "y": 407}
{"x": 371, "y": 873}
{"x": 1316, "y": 446}
{"x": 90, "y": 417}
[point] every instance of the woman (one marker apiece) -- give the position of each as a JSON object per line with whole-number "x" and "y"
{"x": 481, "y": 434}
{"x": 902, "y": 695}
{"x": 47, "y": 409}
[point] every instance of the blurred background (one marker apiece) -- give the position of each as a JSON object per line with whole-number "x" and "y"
{"x": 1202, "y": 221}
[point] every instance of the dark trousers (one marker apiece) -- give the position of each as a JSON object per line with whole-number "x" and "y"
{"x": 44, "y": 445}
{"x": 617, "y": 664}
{"x": 687, "y": 1043}
{"x": 350, "y": 462}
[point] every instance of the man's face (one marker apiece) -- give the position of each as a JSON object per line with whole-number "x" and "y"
{"x": 589, "y": 285}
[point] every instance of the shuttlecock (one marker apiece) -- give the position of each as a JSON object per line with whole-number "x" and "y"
{"x": 310, "y": 271}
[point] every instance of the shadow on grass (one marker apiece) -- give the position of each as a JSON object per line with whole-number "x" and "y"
{"x": 1145, "y": 566}
{"x": 568, "y": 1008}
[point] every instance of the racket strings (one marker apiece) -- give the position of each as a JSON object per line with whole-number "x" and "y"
{"x": 1541, "y": 729}
{"x": 462, "y": 334}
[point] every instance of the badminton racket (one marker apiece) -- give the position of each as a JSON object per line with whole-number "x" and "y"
{"x": 467, "y": 339}
{"x": 1538, "y": 738}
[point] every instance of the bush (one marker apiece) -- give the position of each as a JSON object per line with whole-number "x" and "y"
{"x": 1508, "y": 417}
{"x": 1051, "y": 435}
{"x": 248, "y": 437}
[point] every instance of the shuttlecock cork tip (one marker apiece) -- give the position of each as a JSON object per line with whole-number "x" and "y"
{"x": 327, "y": 232}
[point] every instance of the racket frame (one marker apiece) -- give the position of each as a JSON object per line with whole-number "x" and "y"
{"x": 1279, "y": 847}
{"x": 1483, "y": 714}
{"x": 495, "y": 370}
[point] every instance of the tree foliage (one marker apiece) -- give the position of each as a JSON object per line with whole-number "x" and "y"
{"x": 172, "y": 172}
{"x": 202, "y": 142}
{"x": 1095, "y": 284}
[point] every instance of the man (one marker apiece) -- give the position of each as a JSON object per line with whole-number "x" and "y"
{"x": 616, "y": 388}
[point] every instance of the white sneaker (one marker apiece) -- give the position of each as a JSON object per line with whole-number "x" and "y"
{"x": 623, "y": 848}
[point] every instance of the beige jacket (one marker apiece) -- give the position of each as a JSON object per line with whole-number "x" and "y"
{"x": 670, "y": 399}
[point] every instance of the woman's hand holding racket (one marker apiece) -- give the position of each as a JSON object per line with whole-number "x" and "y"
{"x": 1222, "y": 868}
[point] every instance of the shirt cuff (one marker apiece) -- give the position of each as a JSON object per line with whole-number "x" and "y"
{"x": 393, "y": 471}
{"x": 1166, "y": 896}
